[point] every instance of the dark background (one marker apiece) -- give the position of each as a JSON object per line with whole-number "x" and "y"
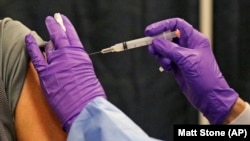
{"x": 131, "y": 79}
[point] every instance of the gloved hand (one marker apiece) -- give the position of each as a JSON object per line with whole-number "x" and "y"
{"x": 67, "y": 76}
{"x": 191, "y": 60}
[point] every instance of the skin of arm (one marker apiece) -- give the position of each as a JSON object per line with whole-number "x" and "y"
{"x": 34, "y": 118}
{"x": 235, "y": 111}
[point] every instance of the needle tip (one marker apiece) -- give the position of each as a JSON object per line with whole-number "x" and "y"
{"x": 94, "y": 53}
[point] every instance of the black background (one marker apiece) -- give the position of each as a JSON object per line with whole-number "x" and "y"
{"x": 131, "y": 79}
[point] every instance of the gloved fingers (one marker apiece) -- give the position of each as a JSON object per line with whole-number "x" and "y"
{"x": 164, "y": 62}
{"x": 35, "y": 53}
{"x": 57, "y": 34}
{"x": 167, "y": 64}
{"x": 189, "y": 37}
{"x": 164, "y": 48}
{"x": 170, "y": 50}
{"x": 71, "y": 33}
{"x": 169, "y": 25}
{"x": 159, "y": 27}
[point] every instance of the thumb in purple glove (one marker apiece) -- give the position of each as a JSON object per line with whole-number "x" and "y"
{"x": 67, "y": 76}
{"x": 192, "y": 61}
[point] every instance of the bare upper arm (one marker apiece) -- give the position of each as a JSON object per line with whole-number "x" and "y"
{"x": 34, "y": 117}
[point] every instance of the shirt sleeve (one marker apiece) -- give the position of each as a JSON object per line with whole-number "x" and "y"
{"x": 102, "y": 121}
{"x": 13, "y": 57}
{"x": 244, "y": 117}
{"x": 13, "y": 68}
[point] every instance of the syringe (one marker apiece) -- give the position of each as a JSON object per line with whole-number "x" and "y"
{"x": 137, "y": 42}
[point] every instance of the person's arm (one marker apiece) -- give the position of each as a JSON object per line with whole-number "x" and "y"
{"x": 26, "y": 108}
{"x": 74, "y": 91}
{"x": 34, "y": 118}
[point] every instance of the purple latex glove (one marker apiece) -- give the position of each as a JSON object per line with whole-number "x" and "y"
{"x": 192, "y": 61}
{"x": 67, "y": 76}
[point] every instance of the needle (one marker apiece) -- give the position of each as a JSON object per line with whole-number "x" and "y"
{"x": 140, "y": 42}
{"x": 94, "y": 53}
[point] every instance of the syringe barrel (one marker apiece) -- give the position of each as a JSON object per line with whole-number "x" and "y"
{"x": 141, "y": 42}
